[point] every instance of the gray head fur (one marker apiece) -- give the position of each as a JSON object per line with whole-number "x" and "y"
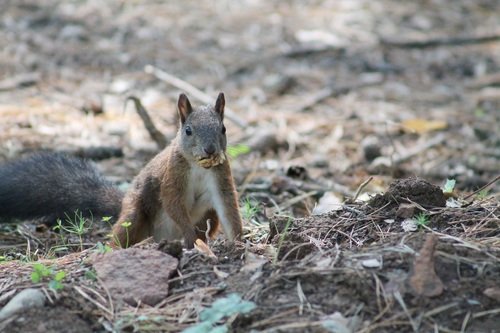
{"x": 203, "y": 135}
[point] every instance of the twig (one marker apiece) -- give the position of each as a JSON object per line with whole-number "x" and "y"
{"x": 93, "y": 301}
{"x": 334, "y": 91}
{"x": 154, "y": 133}
{"x": 441, "y": 41}
{"x": 21, "y": 80}
{"x": 465, "y": 322}
{"x": 497, "y": 178}
{"x": 484, "y": 81}
{"x": 440, "y": 309}
{"x": 294, "y": 200}
{"x": 427, "y": 145}
{"x": 361, "y": 187}
{"x": 399, "y": 298}
{"x": 192, "y": 91}
{"x": 293, "y": 52}
{"x": 486, "y": 313}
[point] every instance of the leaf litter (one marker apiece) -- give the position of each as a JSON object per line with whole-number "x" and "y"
{"x": 308, "y": 99}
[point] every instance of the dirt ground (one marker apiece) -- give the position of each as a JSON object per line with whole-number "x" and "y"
{"x": 334, "y": 99}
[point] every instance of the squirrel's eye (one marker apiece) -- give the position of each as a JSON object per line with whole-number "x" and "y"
{"x": 188, "y": 130}
{"x": 223, "y": 129}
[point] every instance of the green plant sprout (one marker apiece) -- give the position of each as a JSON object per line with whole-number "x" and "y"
{"x": 78, "y": 226}
{"x": 237, "y": 150}
{"x": 449, "y": 186}
{"x": 91, "y": 275}
{"x": 282, "y": 237}
{"x": 42, "y": 272}
{"x": 220, "y": 309}
{"x": 249, "y": 210}
{"x": 106, "y": 248}
{"x": 126, "y": 225}
{"x": 422, "y": 219}
{"x": 483, "y": 194}
{"x": 102, "y": 248}
{"x": 106, "y": 219}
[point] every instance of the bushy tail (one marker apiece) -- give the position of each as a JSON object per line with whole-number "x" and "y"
{"x": 46, "y": 186}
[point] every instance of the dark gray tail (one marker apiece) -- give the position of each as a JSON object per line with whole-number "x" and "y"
{"x": 46, "y": 186}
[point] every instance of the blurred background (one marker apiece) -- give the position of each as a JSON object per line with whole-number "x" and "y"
{"x": 323, "y": 92}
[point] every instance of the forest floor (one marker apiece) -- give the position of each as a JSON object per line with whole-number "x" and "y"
{"x": 337, "y": 105}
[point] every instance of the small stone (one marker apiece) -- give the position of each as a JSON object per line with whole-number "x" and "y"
{"x": 371, "y": 148}
{"x": 405, "y": 211}
{"x": 371, "y": 263}
{"x": 320, "y": 161}
{"x": 26, "y": 299}
{"x": 297, "y": 172}
{"x": 409, "y": 225}
{"x": 453, "y": 203}
{"x": 73, "y": 32}
{"x": 136, "y": 275}
{"x": 120, "y": 86}
{"x": 327, "y": 203}
{"x": 493, "y": 293}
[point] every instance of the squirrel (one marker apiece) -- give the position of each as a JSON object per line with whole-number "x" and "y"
{"x": 185, "y": 192}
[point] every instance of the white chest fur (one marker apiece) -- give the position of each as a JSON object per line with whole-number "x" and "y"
{"x": 202, "y": 189}
{"x": 201, "y": 194}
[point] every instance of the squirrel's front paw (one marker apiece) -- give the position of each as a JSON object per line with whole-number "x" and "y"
{"x": 189, "y": 240}
{"x": 188, "y": 244}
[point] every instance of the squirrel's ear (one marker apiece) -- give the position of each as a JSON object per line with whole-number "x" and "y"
{"x": 219, "y": 105}
{"x": 184, "y": 107}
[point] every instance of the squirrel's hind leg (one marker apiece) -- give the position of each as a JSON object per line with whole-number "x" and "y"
{"x": 133, "y": 224}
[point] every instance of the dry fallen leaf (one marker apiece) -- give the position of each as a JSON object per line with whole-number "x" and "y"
{"x": 422, "y": 126}
{"x": 253, "y": 262}
{"x": 327, "y": 203}
{"x": 493, "y": 293}
{"x": 203, "y": 248}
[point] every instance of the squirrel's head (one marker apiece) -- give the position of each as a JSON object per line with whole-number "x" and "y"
{"x": 203, "y": 135}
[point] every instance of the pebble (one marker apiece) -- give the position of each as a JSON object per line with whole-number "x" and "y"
{"x": 26, "y": 299}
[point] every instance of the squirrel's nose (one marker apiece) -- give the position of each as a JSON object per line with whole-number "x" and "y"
{"x": 209, "y": 149}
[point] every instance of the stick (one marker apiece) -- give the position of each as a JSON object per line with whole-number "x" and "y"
{"x": 21, "y": 80}
{"x": 427, "y": 145}
{"x": 497, "y": 178}
{"x": 192, "y": 91}
{"x": 361, "y": 187}
{"x": 294, "y": 52}
{"x": 294, "y": 200}
{"x": 440, "y": 41}
{"x": 334, "y": 91}
{"x": 484, "y": 81}
{"x": 155, "y": 134}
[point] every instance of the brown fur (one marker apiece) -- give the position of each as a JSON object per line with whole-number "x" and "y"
{"x": 162, "y": 185}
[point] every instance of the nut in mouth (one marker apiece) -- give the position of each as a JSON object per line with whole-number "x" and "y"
{"x": 208, "y": 162}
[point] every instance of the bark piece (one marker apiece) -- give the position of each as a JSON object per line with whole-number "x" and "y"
{"x": 423, "y": 279}
{"x": 406, "y": 211}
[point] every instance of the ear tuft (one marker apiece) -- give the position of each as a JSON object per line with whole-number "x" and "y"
{"x": 184, "y": 107}
{"x": 220, "y": 104}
